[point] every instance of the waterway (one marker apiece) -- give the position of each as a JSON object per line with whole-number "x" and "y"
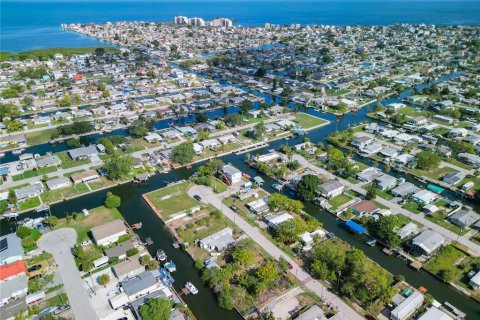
{"x": 204, "y": 306}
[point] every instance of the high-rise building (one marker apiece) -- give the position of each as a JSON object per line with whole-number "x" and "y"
{"x": 181, "y": 20}
{"x": 198, "y": 22}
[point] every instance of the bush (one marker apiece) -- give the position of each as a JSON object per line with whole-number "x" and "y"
{"x": 112, "y": 201}
{"x": 132, "y": 252}
{"x": 23, "y": 232}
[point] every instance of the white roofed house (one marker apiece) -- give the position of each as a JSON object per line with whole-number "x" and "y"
{"x": 109, "y": 232}
{"x": 407, "y": 307}
{"x": 273, "y": 220}
{"x": 475, "y": 281}
{"x": 331, "y": 189}
{"x": 209, "y": 144}
{"x": 83, "y": 152}
{"x": 229, "y": 138}
{"x": 464, "y": 218}
{"x": 30, "y": 191}
{"x": 48, "y": 161}
{"x": 12, "y": 249}
{"x": 232, "y": 174}
{"x": 407, "y": 230}
{"x": 424, "y": 197}
{"x": 258, "y": 206}
{"x": 427, "y": 242}
{"x": 218, "y": 241}
{"x": 385, "y": 182}
{"x": 58, "y": 183}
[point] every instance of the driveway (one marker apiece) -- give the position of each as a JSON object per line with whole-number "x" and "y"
{"x": 208, "y": 196}
{"x": 59, "y": 243}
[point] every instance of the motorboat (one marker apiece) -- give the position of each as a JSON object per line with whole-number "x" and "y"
{"x": 161, "y": 255}
{"x": 191, "y": 287}
{"x": 137, "y": 225}
{"x": 170, "y": 266}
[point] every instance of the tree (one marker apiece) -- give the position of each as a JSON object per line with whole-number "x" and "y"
{"x": 245, "y": 106}
{"x": 259, "y": 131}
{"x": 278, "y": 201}
{"x": 307, "y": 187}
{"x": 112, "y": 201}
{"x": 386, "y": 227}
{"x": 243, "y": 257}
{"x": 371, "y": 191}
{"x": 267, "y": 273}
{"x": 327, "y": 261}
{"x": 183, "y": 153}
{"x": 100, "y": 51}
{"x": 156, "y": 309}
{"x": 261, "y": 72}
{"x": 118, "y": 166}
{"x": 288, "y": 231}
{"x": 141, "y": 127}
{"x": 132, "y": 252}
{"x": 266, "y": 315}
{"x": 52, "y": 221}
{"x": 104, "y": 279}
{"x": 202, "y": 117}
{"x": 144, "y": 260}
{"x": 8, "y": 110}
{"x": 427, "y": 160}
{"x": 23, "y": 232}
{"x": 74, "y": 143}
{"x": 233, "y": 120}
{"x": 152, "y": 265}
{"x": 225, "y": 298}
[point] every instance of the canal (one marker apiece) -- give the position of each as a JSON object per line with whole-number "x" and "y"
{"x": 204, "y": 306}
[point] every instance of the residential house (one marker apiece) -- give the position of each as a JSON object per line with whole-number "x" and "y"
{"x": 424, "y": 197}
{"x": 427, "y": 242}
{"x": 407, "y": 230}
{"x": 471, "y": 159}
{"x": 369, "y": 174}
{"x": 140, "y": 285}
{"x": 385, "y": 182}
{"x": 464, "y": 218}
{"x": 13, "y": 288}
{"x": 331, "y": 189}
{"x": 209, "y": 144}
{"x": 312, "y": 313}
{"x": 87, "y": 176}
{"x": 218, "y": 241}
{"x": 364, "y": 208}
{"x": 232, "y": 174}
{"x": 435, "y": 314}
{"x": 152, "y": 137}
{"x": 418, "y": 121}
{"x": 452, "y": 178}
{"x": 119, "y": 251}
{"x": 273, "y": 220}
{"x": 390, "y": 152}
{"x": 258, "y": 206}
{"x": 404, "y": 189}
{"x": 403, "y": 159}
{"x": 128, "y": 268}
{"x": 474, "y": 282}
{"x": 408, "y": 306}
{"x": 12, "y": 270}
{"x": 12, "y": 249}
{"x": 58, "y": 183}
{"x": 362, "y": 142}
{"x": 48, "y": 161}
{"x": 83, "y": 152}
{"x": 33, "y": 190}
{"x": 109, "y": 232}
{"x": 229, "y": 138}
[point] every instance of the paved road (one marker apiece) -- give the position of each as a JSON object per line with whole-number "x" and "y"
{"x": 59, "y": 244}
{"x": 216, "y": 200}
{"x": 473, "y": 248}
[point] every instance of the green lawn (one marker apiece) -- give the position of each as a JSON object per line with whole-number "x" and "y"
{"x": 59, "y": 194}
{"x": 34, "y": 173}
{"x": 338, "y": 201}
{"x": 96, "y": 217}
{"x": 172, "y": 199}
{"x": 412, "y": 206}
{"x": 218, "y": 186}
{"x": 203, "y": 227}
{"x": 473, "y": 179}
{"x": 445, "y": 260}
{"x": 39, "y": 137}
{"x": 381, "y": 193}
{"x": 435, "y": 174}
{"x": 412, "y": 112}
{"x": 438, "y": 218}
{"x": 308, "y": 121}
{"x": 251, "y": 120}
{"x": 29, "y": 204}
{"x": 67, "y": 162}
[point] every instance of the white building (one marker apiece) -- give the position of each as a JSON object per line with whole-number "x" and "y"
{"x": 232, "y": 174}
{"x": 108, "y": 233}
{"x": 407, "y": 307}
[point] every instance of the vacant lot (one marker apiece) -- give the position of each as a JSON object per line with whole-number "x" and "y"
{"x": 33, "y": 173}
{"x": 172, "y": 199}
{"x": 307, "y": 121}
{"x": 446, "y": 261}
{"x": 67, "y": 162}
{"x": 39, "y": 137}
{"x": 82, "y": 224}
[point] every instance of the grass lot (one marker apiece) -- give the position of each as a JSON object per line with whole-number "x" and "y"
{"x": 33, "y": 173}
{"x": 204, "y": 227}
{"x": 307, "y": 121}
{"x": 59, "y": 194}
{"x": 38, "y": 137}
{"x": 40, "y": 258}
{"x": 445, "y": 259}
{"x": 338, "y": 201}
{"x": 335, "y": 93}
{"x": 96, "y": 185}
{"x": 172, "y": 199}
{"x": 57, "y": 300}
{"x": 457, "y": 163}
{"x": 218, "y": 186}
{"x": 381, "y": 193}
{"x": 412, "y": 206}
{"x": 412, "y": 112}
{"x": 221, "y": 149}
{"x": 29, "y": 204}
{"x": 435, "y": 174}
{"x": 438, "y": 218}
{"x": 251, "y": 120}
{"x": 67, "y": 162}
{"x": 473, "y": 179}
{"x": 82, "y": 224}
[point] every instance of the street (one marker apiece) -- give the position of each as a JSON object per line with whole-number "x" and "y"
{"x": 59, "y": 243}
{"x": 315, "y": 286}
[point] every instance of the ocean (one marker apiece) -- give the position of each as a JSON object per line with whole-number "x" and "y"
{"x": 32, "y": 24}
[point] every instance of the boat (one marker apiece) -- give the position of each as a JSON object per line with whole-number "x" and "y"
{"x": 277, "y": 186}
{"x": 191, "y": 287}
{"x": 176, "y": 244}
{"x": 371, "y": 242}
{"x": 17, "y": 152}
{"x": 387, "y": 251}
{"x": 170, "y": 266}
{"x": 166, "y": 277}
{"x": 2, "y": 155}
{"x": 137, "y": 225}
{"x": 161, "y": 255}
